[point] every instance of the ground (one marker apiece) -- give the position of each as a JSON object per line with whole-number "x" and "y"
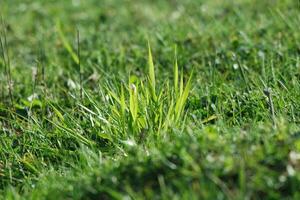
{"x": 152, "y": 99}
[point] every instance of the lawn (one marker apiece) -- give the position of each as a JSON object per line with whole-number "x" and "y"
{"x": 149, "y": 99}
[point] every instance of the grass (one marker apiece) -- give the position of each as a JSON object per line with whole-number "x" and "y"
{"x": 149, "y": 99}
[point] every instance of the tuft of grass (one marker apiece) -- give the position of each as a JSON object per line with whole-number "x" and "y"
{"x": 151, "y": 73}
{"x": 146, "y": 111}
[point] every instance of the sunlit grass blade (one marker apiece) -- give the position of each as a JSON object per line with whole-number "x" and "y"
{"x": 180, "y": 103}
{"x": 151, "y": 72}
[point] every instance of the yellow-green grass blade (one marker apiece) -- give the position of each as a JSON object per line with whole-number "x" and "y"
{"x": 151, "y": 72}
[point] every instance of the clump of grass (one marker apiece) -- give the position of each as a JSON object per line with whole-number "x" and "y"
{"x": 151, "y": 109}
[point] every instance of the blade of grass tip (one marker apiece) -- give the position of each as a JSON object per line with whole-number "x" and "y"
{"x": 151, "y": 72}
{"x": 66, "y": 43}
{"x": 186, "y": 90}
{"x": 183, "y": 97}
{"x": 178, "y": 98}
{"x": 176, "y": 73}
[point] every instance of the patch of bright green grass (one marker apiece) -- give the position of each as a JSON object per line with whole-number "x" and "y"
{"x": 149, "y": 99}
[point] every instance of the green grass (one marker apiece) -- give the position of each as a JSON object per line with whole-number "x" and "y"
{"x": 194, "y": 99}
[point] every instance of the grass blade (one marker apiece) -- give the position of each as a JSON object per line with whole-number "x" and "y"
{"x": 151, "y": 72}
